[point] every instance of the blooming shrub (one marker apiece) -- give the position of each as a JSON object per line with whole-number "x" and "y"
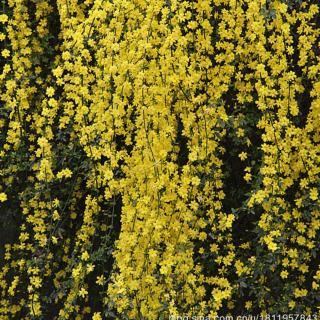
{"x": 159, "y": 158}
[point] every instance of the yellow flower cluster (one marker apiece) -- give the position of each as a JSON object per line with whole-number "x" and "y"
{"x": 159, "y": 158}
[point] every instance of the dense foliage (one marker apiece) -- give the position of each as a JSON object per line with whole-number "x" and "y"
{"x": 159, "y": 158}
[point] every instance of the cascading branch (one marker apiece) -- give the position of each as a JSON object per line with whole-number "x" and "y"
{"x": 159, "y": 158}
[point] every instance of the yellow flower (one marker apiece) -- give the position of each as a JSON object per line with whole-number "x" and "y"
{"x": 3, "y": 197}
{"x": 66, "y": 173}
{"x": 58, "y": 72}
{"x": 50, "y": 92}
{"x": 90, "y": 267}
{"x": 100, "y": 280}
{"x": 97, "y": 316}
{"x": 5, "y": 53}
{"x": 3, "y": 18}
{"x": 248, "y": 305}
{"x": 243, "y": 156}
{"x": 83, "y": 292}
{"x": 85, "y": 256}
{"x": 300, "y": 293}
{"x": 314, "y": 194}
{"x": 66, "y": 55}
{"x": 55, "y": 215}
{"x": 240, "y": 132}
